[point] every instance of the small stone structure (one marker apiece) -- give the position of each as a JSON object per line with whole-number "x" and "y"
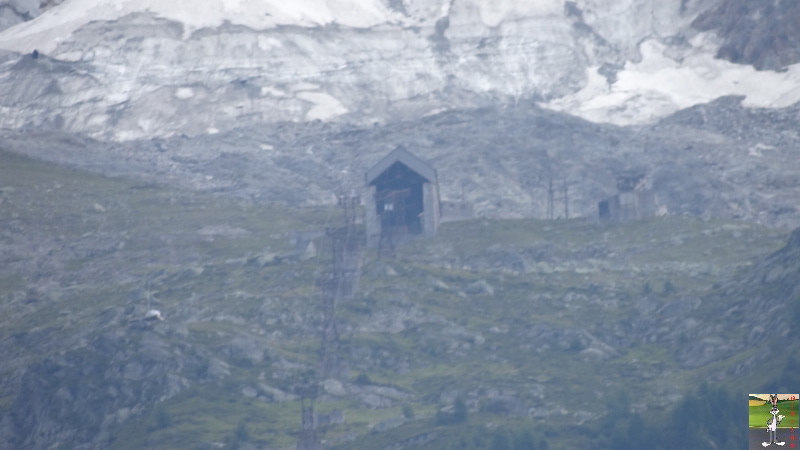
{"x": 453, "y": 211}
{"x": 402, "y": 199}
{"x": 633, "y": 202}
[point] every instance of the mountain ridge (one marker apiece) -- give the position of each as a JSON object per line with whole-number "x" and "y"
{"x": 589, "y": 58}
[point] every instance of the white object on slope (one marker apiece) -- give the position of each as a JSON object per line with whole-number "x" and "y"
{"x": 153, "y": 314}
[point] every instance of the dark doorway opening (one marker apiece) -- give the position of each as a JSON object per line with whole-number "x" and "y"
{"x": 399, "y": 199}
{"x": 605, "y": 212}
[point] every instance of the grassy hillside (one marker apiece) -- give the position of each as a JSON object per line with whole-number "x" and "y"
{"x": 760, "y": 414}
{"x": 531, "y": 326}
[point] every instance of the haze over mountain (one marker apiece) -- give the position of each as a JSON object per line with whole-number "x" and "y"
{"x": 227, "y": 128}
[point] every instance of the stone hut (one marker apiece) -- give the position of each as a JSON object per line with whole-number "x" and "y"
{"x": 402, "y": 199}
{"x": 634, "y": 200}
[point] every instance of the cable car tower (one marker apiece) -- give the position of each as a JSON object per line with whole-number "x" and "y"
{"x": 338, "y": 283}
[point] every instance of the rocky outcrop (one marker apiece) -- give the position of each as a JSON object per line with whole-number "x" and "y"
{"x": 13, "y": 12}
{"x": 17, "y": 11}
{"x": 75, "y": 398}
{"x": 764, "y": 34}
{"x": 763, "y": 299}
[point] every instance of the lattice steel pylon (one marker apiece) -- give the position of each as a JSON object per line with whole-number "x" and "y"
{"x": 340, "y": 283}
{"x": 336, "y": 284}
{"x": 308, "y": 440}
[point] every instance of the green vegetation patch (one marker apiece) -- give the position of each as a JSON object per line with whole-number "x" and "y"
{"x": 760, "y": 414}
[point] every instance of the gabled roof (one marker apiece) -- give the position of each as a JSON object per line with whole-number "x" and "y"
{"x": 410, "y": 160}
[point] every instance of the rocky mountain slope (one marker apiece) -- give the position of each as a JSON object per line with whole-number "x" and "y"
{"x": 528, "y": 321}
{"x": 295, "y": 104}
{"x": 500, "y": 160}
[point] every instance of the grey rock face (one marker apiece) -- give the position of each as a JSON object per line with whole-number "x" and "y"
{"x": 764, "y": 34}
{"x": 57, "y": 399}
{"x": 13, "y": 12}
{"x": 147, "y": 80}
{"x": 141, "y": 75}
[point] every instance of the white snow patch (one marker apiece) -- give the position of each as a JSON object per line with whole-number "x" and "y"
{"x": 273, "y": 92}
{"x": 492, "y": 13}
{"x": 756, "y": 149}
{"x": 659, "y": 86}
{"x": 184, "y": 93}
{"x": 325, "y": 105}
{"x": 303, "y": 86}
{"x": 268, "y": 43}
{"x": 435, "y": 111}
{"x": 117, "y": 97}
{"x": 57, "y": 24}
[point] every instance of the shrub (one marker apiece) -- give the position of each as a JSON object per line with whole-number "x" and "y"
{"x": 408, "y": 412}
{"x": 457, "y": 415}
{"x": 669, "y": 288}
{"x": 161, "y": 418}
{"x": 363, "y": 379}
